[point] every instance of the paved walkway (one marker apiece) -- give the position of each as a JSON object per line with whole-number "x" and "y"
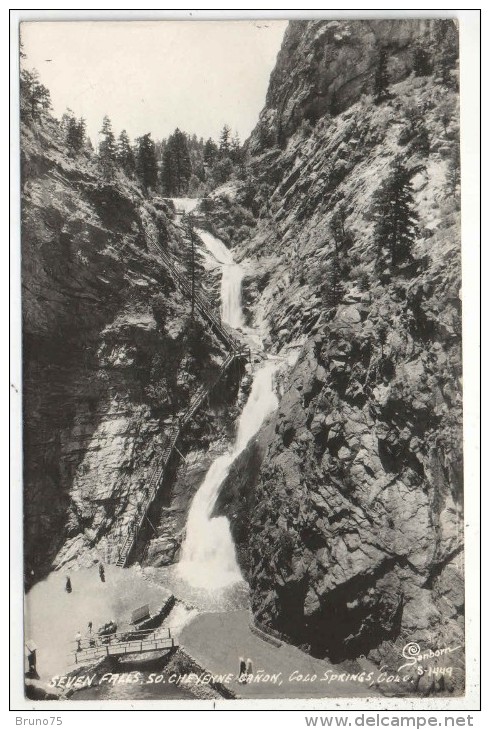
{"x": 217, "y": 640}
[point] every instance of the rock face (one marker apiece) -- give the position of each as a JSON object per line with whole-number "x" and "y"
{"x": 356, "y": 537}
{"x": 325, "y": 66}
{"x": 109, "y": 355}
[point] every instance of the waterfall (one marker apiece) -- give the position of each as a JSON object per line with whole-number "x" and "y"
{"x": 208, "y": 553}
{"x": 232, "y": 273}
{"x": 208, "y": 558}
{"x": 186, "y": 204}
{"x": 231, "y": 280}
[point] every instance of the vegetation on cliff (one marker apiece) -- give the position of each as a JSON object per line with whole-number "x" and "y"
{"x": 355, "y": 544}
{"x": 111, "y": 351}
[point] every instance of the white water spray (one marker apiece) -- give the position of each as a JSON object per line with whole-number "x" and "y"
{"x": 208, "y": 554}
{"x": 208, "y": 558}
{"x": 231, "y": 280}
{"x": 186, "y": 204}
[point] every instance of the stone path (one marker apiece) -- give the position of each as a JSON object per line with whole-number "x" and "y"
{"x": 217, "y": 640}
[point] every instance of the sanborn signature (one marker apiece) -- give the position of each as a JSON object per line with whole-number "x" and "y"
{"x": 412, "y": 652}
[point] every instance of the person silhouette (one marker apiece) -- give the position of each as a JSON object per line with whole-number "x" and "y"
{"x": 68, "y": 587}
{"x": 102, "y": 573}
{"x": 32, "y": 659}
{"x": 242, "y": 670}
{"x": 249, "y": 670}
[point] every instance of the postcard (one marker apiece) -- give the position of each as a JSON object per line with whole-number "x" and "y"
{"x": 242, "y": 360}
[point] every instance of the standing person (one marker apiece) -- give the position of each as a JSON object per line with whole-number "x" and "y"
{"x": 78, "y": 639}
{"x": 242, "y": 669}
{"x": 68, "y": 587}
{"x": 102, "y": 573}
{"x": 31, "y": 658}
{"x": 250, "y": 670}
{"x": 90, "y": 627}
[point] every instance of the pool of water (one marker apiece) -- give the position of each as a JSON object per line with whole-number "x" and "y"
{"x": 53, "y": 616}
{"x": 228, "y": 598}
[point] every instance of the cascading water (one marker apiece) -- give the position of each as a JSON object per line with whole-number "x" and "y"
{"x": 231, "y": 280}
{"x": 208, "y": 558}
{"x": 208, "y": 554}
{"x": 232, "y": 273}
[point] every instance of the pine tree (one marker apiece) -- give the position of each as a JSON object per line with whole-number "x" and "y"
{"x": 332, "y": 290}
{"x": 421, "y": 61}
{"x": 210, "y": 152}
{"x": 224, "y": 141}
{"x": 236, "y": 149}
{"x": 167, "y": 172}
{"x": 342, "y": 236}
{"x": 75, "y": 134}
{"x": 34, "y": 96}
{"x": 453, "y": 175}
{"x": 415, "y": 133}
{"x": 222, "y": 170}
{"x": 176, "y": 165}
{"x": 395, "y": 217}
{"x": 447, "y": 49}
{"x": 125, "y": 155}
{"x": 381, "y": 79}
{"x": 107, "y": 149}
{"x": 446, "y": 110}
{"x": 194, "y": 188}
{"x": 189, "y": 228}
{"x": 146, "y": 163}
{"x": 337, "y": 268}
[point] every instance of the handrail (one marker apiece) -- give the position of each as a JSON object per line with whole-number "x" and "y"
{"x": 129, "y": 635}
{"x": 202, "y": 306}
{"x": 132, "y": 646}
{"x": 236, "y": 352}
{"x": 169, "y": 445}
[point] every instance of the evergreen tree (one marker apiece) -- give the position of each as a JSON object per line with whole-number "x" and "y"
{"x": 333, "y": 290}
{"x": 210, "y": 152}
{"x": 194, "y": 188}
{"x": 176, "y": 165}
{"x": 453, "y": 175}
{"x": 337, "y": 268}
{"x": 381, "y": 79}
{"x": 107, "y": 149}
{"x": 342, "y": 237}
{"x": 415, "y": 133}
{"x": 190, "y": 256}
{"x": 89, "y": 146}
{"x": 75, "y": 134}
{"x": 395, "y": 217}
{"x": 125, "y": 155}
{"x": 421, "y": 61}
{"x": 167, "y": 172}
{"x": 34, "y": 96}
{"x": 447, "y": 49}
{"x": 146, "y": 163}
{"x": 222, "y": 170}
{"x": 236, "y": 150}
{"x": 446, "y": 110}
{"x": 224, "y": 141}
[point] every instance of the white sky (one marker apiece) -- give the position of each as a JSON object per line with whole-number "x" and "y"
{"x": 156, "y": 76}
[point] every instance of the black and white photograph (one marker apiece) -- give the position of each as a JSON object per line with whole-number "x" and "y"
{"x": 242, "y": 373}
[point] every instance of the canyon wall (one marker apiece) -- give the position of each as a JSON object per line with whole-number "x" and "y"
{"x": 110, "y": 354}
{"x": 351, "y": 530}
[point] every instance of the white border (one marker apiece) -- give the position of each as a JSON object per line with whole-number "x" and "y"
{"x": 469, "y": 49}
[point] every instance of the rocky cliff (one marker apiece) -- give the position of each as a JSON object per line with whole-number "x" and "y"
{"x": 356, "y": 511}
{"x": 110, "y": 356}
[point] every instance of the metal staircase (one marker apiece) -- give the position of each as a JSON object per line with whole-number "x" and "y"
{"x": 237, "y": 352}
